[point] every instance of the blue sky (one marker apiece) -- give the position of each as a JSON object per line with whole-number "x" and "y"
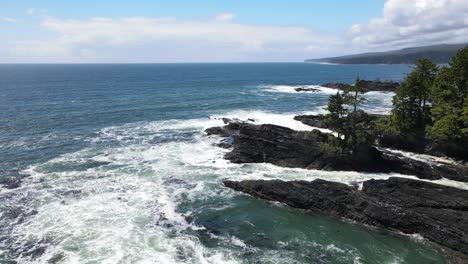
{"x": 334, "y": 15}
{"x": 212, "y": 31}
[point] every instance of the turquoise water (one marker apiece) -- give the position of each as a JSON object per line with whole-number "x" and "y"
{"x": 120, "y": 170}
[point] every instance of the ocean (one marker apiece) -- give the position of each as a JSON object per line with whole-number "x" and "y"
{"x": 116, "y": 168}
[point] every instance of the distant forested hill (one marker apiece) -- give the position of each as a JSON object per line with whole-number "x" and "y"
{"x": 438, "y": 54}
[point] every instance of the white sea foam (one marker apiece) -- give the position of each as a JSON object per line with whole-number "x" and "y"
{"x": 117, "y": 200}
{"x": 262, "y": 117}
{"x": 377, "y": 102}
{"x": 433, "y": 160}
{"x": 292, "y": 89}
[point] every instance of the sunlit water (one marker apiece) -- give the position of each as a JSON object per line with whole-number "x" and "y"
{"x": 121, "y": 171}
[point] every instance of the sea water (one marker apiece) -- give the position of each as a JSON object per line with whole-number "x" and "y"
{"x": 119, "y": 169}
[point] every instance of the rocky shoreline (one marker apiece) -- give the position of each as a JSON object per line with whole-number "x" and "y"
{"x": 413, "y": 144}
{"x": 438, "y": 213}
{"x": 368, "y": 86}
{"x": 285, "y": 147}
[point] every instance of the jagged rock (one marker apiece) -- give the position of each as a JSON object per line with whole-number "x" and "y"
{"x": 273, "y": 144}
{"x": 305, "y": 89}
{"x": 303, "y": 149}
{"x": 319, "y": 120}
{"x": 339, "y": 86}
{"x": 368, "y": 86}
{"x": 312, "y": 120}
{"x": 437, "y": 212}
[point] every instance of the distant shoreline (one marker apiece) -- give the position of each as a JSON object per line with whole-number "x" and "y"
{"x": 439, "y": 54}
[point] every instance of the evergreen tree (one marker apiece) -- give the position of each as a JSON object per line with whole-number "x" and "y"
{"x": 337, "y": 112}
{"x": 354, "y": 95}
{"x": 352, "y": 129}
{"x": 450, "y": 100}
{"x": 411, "y": 111}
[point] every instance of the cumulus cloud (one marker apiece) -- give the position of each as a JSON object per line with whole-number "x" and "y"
{"x": 416, "y": 22}
{"x": 167, "y": 39}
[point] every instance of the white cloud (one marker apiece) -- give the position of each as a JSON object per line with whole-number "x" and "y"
{"x": 30, "y": 11}
{"x": 416, "y": 22}
{"x": 225, "y": 17}
{"x": 8, "y": 19}
{"x": 35, "y": 11}
{"x": 167, "y": 39}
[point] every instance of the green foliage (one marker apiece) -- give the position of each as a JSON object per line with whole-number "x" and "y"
{"x": 357, "y": 130}
{"x": 446, "y": 128}
{"x": 354, "y": 95}
{"x": 335, "y": 106}
{"x": 430, "y": 102}
{"x": 337, "y": 111}
{"x": 384, "y": 126}
{"x": 450, "y": 100}
{"x": 411, "y": 111}
{"x": 353, "y": 129}
{"x": 332, "y": 145}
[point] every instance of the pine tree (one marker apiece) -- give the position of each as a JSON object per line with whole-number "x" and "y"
{"x": 450, "y": 100}
{"x": 337, "y": 112}
{"x": 352, "y": 128}
{"x": 354, "y": 95}
{"x": 411, "y": 111}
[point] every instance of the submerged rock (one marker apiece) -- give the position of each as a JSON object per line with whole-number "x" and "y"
{"x": 436, "y": 212}
{"x": 303, "y": 149}
{"x": 10, "y": 182}
{"x": 11, "y": 179}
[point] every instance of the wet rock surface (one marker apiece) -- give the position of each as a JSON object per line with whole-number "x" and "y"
{"x": 303, "y": 149}
{"x": 306, "y": 89}
{"x": 438, "y": 213}
{"x": 368, "y": 86}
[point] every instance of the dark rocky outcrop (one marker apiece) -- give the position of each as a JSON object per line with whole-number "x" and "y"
{"x": 302, "y": 149}
{"x": 438, "y": 213}
{"x": 368, "y": 86}
{"x": 306, "y": 89}
{"x": 339, "y": 86}
{"x": 312, "y": 120}
{"x": 319, "y": 120}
